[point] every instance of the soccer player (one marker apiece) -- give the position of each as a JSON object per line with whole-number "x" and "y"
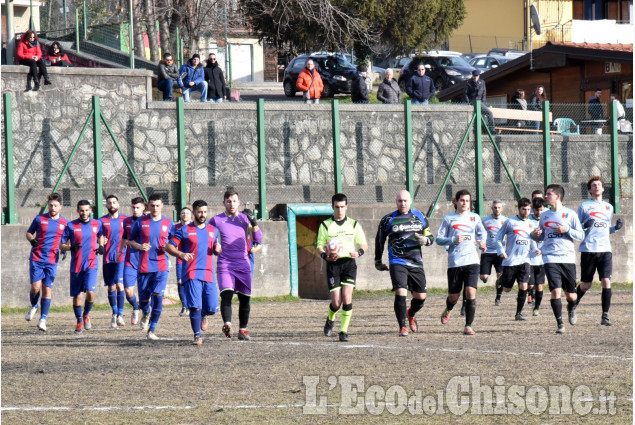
{"x": 407, "y": 230}
{"x": 198, "y": 242}
{"x": 537, "y": 277}
{"x": 462, "y": 231}
{"x": 492, "y": 224}
{"x": 149, "y": 235}
{"x": 186, "y": 218}
{"x": 232, "y": 268}
{"x": 537, "y": 194}
{"x": 44, "y": 235}
{"x": 81, "y": 237}
{"x": 341, "y": 271}
{"x": 112, "y": 225}
{"x": 595, "y": 216}
{"x": 515, "y": 253}
{"x": 131, "y": 263}
{"x": 558, "y": 227}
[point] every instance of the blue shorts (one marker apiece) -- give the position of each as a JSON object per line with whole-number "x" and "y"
{"x": 152, "y": 283}
{"x": 42, "y": 271}
{"x": 113, "y": 273}
{"x": 83, "y": 281}
{"x": 202, "y": 295}
{"x": 129, "y": 277}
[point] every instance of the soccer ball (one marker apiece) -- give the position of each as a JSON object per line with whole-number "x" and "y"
{"x": 334, "y": 246}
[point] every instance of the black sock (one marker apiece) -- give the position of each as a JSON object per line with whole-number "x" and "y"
{"x": 571, "y": 305}
{"x": 470, "y": 311}
{"x": 400, "y": 310}
{"x": 448, "y": 305}
{"x": 556, "y": 306}
{"x": 606, "y": 299}
{"x": 538, "y": 300}
{"x": 244, "y": 306}
{"x": 499, "y": 292}
{"x": 580, "y": 294}
{"x": 415, "y": 306}
{"x": 226, "y": 305}
{"x": 520, "y": 302}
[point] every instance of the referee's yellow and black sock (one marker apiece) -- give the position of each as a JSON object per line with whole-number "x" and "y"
{"x": 400, "y": 310}
{"x": 416, "y": 305}
{"x": 333, "y": 312}
{"x": 347, "y": 312}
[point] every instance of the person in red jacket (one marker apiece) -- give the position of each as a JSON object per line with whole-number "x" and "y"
{"x": 56, "y": 56}
{"x": 310, "y": 83}
{"x": 30, "y": 54}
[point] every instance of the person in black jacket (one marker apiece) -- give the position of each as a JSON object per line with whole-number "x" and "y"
{"x": 475, "y": 90}
{"x": 215, "y": 80}
{"x": 420, "y": 87}
{"x": 389, "y": 91}
{"x": 359, "y": 89}
{"x": 168, "y": 76}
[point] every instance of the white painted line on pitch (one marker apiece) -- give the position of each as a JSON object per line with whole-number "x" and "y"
{"x": 330, "y": 346}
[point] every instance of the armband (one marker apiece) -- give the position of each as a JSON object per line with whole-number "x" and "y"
{"x": 360, "y": 252}
{"x": 323, "y": 255}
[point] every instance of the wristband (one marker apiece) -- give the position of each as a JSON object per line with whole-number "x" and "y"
{"x": 323, "y": 255}
{"x": 360, "y": 252}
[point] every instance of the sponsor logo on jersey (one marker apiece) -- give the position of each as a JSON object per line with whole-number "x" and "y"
{"x": 522, "y": 233}
{"x": 410, "y": 227}
{"x": 106, "y": 223}
{"x": 599, "y": 216}
{"x": 493, "y": 229}
{"x": 463, "y": 228}
{"x": 552, "y": 224}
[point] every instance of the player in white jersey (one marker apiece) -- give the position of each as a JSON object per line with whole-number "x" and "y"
{"x": 492, "y": 224}
{"x": 558, "y": 227}
{"x": 595, "y": 216}
{"x": 462, "y": 231}
{"x": 537, "y": 277}
{"x": 515, "y": 253}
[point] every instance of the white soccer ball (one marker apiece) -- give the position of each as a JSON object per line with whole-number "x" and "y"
{"x": 334, "y": 246}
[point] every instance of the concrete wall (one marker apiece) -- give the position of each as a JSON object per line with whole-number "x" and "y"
{"x": 271, "y": 276}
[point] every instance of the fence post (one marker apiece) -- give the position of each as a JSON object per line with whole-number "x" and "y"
{"x": 408, "y": 136}
{"x": 546, "y": 145}
{"x": 180, "y": 140}
{"x": 615, "y": 166}
{"x": 77, "y": 30}
{"x": 97, "y": 158}
{"x": 178, "y": 48}
{"x": 11, "y": 216}
{"x": 478, "y": 158}
{"x": 337, "y": 160}
{"x": 85, "y": 21}
{"x": 131, "y": 33}
{"x": 262, "y": 176}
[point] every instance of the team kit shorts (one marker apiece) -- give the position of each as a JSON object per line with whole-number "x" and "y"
{"x": 592, "y": 261}
{"x": 130, "y": 277}
{"x": 463, "y": 276}
{"x": 84, "y": 281}
{"x": 513, "y": 274}
{"x": 42, "y": 271}
{"x": 537, "y": 276}
{"x": 113, "y": 273}
{"x": 152, "y": 283}
{"x": 489, "y": 260}
{"x": 561, "y": 275}
{"x": 235, "y": 276}
{"x": 411, "y": 278}
{"x": 201, "y": 295}
{"x": 340, "y": 273}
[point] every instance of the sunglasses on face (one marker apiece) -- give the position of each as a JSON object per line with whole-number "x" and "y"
{"x": 170, "y": 60}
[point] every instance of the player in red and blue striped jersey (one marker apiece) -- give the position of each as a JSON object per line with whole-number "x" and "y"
{"x": 112, "y": 225}
{"x": 81, "y": 237}
{"x": 131, "y": 258}
{"x": 198, "y": 242}
{"x": 44, "y": 235}
{"x": 186, "y": 218}
{"x": 149, "y": 235}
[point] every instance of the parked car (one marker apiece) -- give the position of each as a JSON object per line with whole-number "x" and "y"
{"x": 485, "y": 63}
{"x": 512, "y": 53}
{"x": 336, "y": 72}
{"x": 469, "y": 56}
{"x": 444, "y": 70}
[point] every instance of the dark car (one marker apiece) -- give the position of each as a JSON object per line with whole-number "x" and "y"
{"x": 335, "y": 71}
{"x": 445, "y": 71}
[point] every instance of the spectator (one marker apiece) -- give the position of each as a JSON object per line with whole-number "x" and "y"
{"x": 193, "y": 78}
{"x": 621, "y": 113}
{"x": 389, "y": 91}
{"x": 475, "y": 90}
{"x": 536, "y": 102}
{"x": 215, "y": 80}
{"x": 30, "y": 54}
{"x": 56, "y": 56}
{"x": 310, "y": 83}
{"x": 420, "y": 87}
{"x": 596, "y": 112}
{"x": 359, "y": 89}
{"x": 518, "y": 102}
{"x": 168, "y": 76}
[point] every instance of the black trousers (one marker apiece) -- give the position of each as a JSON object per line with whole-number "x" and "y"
{"x": 35, "y": 66}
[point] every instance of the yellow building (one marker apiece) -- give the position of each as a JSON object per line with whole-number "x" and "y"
{"x": 506, "y": 24}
